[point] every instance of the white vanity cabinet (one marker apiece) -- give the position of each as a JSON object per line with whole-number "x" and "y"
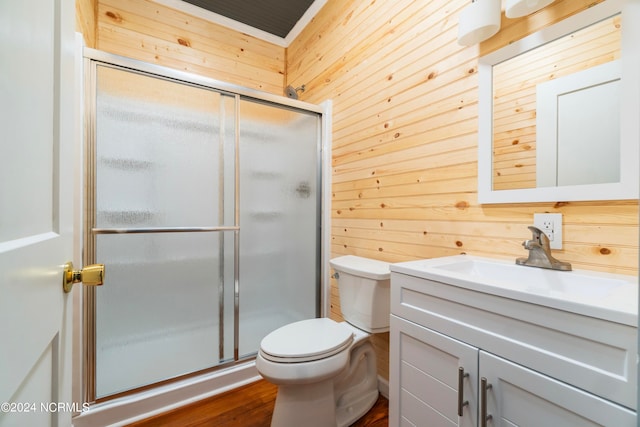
{"x": 541, "y": 366}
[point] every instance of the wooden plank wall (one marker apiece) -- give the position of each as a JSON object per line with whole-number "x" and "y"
{"x": 405, "y": 119}
{"x": 148, "y": 31}
{"x": 404, "y": 124}
{"x": 86, "y": 21}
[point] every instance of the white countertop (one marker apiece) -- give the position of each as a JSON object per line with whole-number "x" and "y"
{"x": 612, "y": 297}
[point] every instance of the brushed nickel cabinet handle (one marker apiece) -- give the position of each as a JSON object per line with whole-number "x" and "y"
{"x": 483, "y": 402}
{"x": 461, "y": 402}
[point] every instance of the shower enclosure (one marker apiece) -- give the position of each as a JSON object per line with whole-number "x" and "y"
{"x": 203, "y": 200}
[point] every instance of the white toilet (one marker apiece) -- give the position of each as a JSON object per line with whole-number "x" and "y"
{"x": 326, "y": 371}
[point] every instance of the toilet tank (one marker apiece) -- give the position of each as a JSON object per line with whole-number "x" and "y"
{"x": 364, "y": 287}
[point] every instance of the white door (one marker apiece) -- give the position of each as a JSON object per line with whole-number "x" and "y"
{"x": 36, "y": 199}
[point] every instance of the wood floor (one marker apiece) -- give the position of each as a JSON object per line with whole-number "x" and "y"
{"x": 248, "y": 406}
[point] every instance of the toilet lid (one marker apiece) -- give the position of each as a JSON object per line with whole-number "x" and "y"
{"x": 306, "y": 340}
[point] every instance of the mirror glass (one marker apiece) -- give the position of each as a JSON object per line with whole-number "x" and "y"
{"x": 532, "y": 149}
{"x": 553, "y": 117}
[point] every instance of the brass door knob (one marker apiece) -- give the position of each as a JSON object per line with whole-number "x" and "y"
{"x": 89, "y": 275}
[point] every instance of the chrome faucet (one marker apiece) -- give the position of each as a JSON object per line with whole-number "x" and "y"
{"x": 540, "y": 252}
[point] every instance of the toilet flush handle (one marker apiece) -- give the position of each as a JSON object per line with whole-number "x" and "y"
{"x": 335, "y": 275}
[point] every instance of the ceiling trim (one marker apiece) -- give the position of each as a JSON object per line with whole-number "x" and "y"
{"x": 199, "y": 12}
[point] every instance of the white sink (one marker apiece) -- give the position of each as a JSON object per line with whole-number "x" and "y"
{"x": 603, "y": 295}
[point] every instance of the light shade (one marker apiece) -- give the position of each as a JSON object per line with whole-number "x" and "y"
{"x": 518, "y": 8}
{"x": 479, "y": 21}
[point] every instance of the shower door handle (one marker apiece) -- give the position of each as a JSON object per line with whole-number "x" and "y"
{"x": 90, "y": 275}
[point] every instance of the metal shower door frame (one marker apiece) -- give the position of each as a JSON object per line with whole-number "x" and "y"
{"x": 94, "y": 58}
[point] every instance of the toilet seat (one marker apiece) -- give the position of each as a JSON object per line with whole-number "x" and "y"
{"x": 305, "y": 341}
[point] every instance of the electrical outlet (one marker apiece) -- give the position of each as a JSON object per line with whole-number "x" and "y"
{"x": 551, "y": 225}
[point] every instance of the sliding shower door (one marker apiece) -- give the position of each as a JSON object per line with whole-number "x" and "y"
{"x": 279, "y": 219}
{"x": 204, "y": 206}
{"x": 164, "y": 225}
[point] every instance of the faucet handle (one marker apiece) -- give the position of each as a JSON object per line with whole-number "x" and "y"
{"x": 540, "y": 237}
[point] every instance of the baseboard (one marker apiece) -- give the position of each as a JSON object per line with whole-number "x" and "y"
{"x": 136, "y": 407}
{"x": 383, "y": 386}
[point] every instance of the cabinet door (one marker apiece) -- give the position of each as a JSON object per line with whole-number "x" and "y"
{"x": 521, "y": 397}
{"x": 425, "y": 376}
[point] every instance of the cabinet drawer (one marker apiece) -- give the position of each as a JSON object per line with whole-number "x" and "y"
{"x": 592, "y": 354}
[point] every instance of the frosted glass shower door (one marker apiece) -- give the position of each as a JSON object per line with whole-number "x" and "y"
{"x": 163, "y": 223}
{"x": 280, "y": 203}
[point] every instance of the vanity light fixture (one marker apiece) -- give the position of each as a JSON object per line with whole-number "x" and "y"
{"x": 478, "y": 21}
{"x": 518, "y": 8}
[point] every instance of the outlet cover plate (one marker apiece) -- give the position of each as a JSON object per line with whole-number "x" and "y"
{"x": 551, "y": 224}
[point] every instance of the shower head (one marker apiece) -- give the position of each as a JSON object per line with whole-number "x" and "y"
{"x": 292, "y": 92}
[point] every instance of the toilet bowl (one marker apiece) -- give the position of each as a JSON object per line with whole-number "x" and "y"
{"x": 325, "y": 370}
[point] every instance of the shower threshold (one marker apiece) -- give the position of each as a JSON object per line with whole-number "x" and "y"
{"x": 134, "y": 407}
